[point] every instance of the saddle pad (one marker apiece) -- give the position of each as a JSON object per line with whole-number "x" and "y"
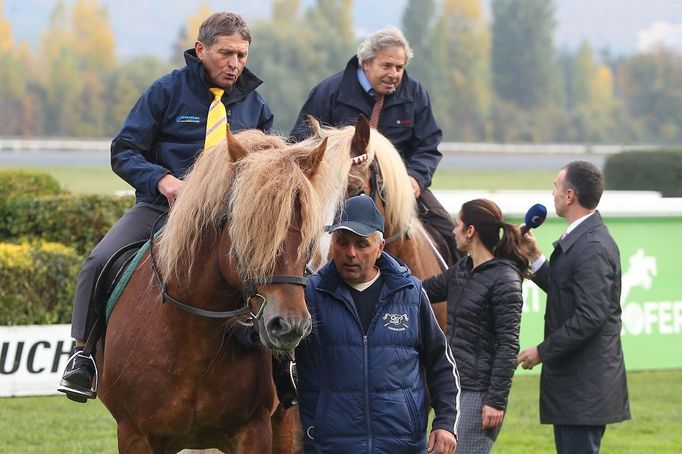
{"x": 123, "y": 282}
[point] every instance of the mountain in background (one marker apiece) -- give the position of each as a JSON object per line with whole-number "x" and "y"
{"x": 144, "y": 27}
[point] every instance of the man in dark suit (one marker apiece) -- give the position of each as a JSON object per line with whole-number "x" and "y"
{"x": 583, "y": 383}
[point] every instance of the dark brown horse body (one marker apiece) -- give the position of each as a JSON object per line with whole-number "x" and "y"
{"x": 174, "y": 379}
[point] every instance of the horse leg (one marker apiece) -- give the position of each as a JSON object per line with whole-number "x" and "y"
{"x": 297, "y": 433}
{"x": 131, "y": 440}
{"x": 282, "y": 429}
{"x": 255, "y": 437}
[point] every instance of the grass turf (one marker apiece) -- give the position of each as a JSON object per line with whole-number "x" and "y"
{"x": 56, "y": 425}
{"x": 102, "y": 180}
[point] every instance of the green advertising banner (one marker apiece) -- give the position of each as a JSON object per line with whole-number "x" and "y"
{"x": 651, "y": 297}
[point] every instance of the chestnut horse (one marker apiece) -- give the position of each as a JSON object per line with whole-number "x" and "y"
{"x": 377, "y": 170}
{"x": 371, "y": 165}
{"x": 233, "y": 250}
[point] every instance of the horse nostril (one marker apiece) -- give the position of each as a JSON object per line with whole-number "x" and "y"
{"x": 278, "y": 326}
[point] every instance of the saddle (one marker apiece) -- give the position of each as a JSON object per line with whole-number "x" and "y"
{"x": 110, "y": 283}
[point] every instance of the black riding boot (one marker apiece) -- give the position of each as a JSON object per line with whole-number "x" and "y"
{"x": 77, "y": 379}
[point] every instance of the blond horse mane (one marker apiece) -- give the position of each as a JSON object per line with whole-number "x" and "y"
{"x": 256, "y": 198}
{"x": 400, "y": 202}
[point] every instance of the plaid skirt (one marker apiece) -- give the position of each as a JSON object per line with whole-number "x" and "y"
{"x": 471, "y": 438}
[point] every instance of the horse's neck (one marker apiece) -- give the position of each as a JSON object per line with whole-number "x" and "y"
{"x": 414, "y": 249}
{"x": 206, "y": 286}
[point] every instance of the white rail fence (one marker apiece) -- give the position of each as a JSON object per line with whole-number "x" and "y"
{"x": 11, "y": 144}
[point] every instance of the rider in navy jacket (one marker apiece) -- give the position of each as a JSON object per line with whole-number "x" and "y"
{"x": 159, "y": 141}
{"x": 369, "y": 390}
{"x": 406, "y": 118}
{"x": 166, "y": 128}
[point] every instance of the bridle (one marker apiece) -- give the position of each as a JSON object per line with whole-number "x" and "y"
{"x": 249, "y": 291}
{"x": 375, "y": 190}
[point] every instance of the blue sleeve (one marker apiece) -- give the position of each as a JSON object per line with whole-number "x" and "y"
{"x": 267, "y": 118}
{"x": 132, "y": 148}
{"x": 442, "y": 377}
{"x": 423, "y": 157}
{"x": 318, "y": 105}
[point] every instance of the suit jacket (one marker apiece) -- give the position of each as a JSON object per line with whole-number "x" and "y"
{"x": 583, "y": 379}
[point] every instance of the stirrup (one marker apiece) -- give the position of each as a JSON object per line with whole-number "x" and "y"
{"x": 80, "y": 395}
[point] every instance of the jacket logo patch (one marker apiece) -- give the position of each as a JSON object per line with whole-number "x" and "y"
{"x": 396, "y": 322}
{"x": 187, "y": 119}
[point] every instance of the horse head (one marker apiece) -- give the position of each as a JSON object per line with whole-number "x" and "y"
{"x": 274, "y": 219}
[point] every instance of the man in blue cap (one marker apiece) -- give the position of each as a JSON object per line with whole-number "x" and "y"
{"x": 374, "y": 350}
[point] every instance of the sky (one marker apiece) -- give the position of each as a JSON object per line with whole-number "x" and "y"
{"x": 150, "y": 27}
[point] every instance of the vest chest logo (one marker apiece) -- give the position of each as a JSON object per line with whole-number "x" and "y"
{"x": 187, "y": 119}
{"x": 396, "y": 322}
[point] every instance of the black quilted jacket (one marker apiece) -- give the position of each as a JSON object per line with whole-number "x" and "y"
{"x": 484, "y": 315}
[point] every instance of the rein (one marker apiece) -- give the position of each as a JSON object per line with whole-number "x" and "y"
{"x": 250, "y": 291}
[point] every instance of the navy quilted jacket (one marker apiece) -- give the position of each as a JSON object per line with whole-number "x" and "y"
{"x": 166, "y": 128}
{"x": 367, "y": 393}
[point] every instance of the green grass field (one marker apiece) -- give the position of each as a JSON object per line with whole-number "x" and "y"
{"x": 91, "y": 179}
{"x": 57, "y": 425}
{"x": 101, "y": 179}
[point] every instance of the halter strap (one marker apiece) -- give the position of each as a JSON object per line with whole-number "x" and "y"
{"x": 249, "y": 291}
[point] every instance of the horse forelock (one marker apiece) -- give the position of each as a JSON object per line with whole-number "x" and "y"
{"x": 202, "y": 205}
{"x": 262, "y": 208}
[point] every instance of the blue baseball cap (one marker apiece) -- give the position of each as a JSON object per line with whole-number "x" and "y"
{"x": 359, "y": 215}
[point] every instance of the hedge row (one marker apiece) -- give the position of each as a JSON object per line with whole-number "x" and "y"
{"x": 77, "y": 221}
{"x": 26, "y": 184}
{"x": 38, "y": 282}
{"x": 645, "y": 171}
{"x": 44, "y": 235}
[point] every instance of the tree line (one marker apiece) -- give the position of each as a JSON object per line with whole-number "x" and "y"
{"x": 499, "y": 80}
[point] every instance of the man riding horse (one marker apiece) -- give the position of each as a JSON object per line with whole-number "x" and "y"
{"x": 376, "y": 85}
{"x": 159, "y": 141}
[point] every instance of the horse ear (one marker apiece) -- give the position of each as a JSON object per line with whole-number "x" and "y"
{"x": 234, "y": 148}
{"x": 360, "y": 140}
{"x": 311, "y": 163}
{"x": 314, "y": 125}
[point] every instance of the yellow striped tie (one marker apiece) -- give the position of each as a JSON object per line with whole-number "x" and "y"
{"x": 216, "y": 130}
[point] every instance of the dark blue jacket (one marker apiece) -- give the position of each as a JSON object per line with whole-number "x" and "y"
{"x": 406, "y": 117}
{"x": 367, "y": 392}
{"x": 166, "y": 128}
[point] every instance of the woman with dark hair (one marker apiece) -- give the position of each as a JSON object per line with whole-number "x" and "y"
{"x": 483, "y": 292}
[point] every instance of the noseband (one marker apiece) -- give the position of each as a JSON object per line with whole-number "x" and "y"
{"x": 375, "y": 189}
{"x": 250, "y": 291}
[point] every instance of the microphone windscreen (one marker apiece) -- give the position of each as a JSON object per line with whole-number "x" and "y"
{"x": 535, "y": 216}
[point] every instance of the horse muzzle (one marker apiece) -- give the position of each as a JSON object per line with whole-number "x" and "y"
{"x": 282, "y": 332}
